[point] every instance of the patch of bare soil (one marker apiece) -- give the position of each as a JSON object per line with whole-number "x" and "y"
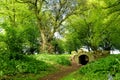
{"x": 64, "y": 71}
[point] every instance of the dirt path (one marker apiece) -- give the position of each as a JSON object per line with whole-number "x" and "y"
{"x": 63, "y": 72}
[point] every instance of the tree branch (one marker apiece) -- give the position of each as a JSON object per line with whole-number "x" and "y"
{"x": 113, "y": 5}
{"x": 21, "y": 1}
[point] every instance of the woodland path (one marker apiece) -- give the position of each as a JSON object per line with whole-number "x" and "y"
{"x": 62, "y": 73}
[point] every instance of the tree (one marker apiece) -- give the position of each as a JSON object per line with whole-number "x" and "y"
{"x": 96, "y": 27}
{"x": 50, "y": 15}
{"x": 85, "y": 26}
{"x": 112, "y": 20}
{"x": 16, "y": 19}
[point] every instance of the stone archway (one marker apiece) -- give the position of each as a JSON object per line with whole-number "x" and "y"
{"x": 83, "y": 59}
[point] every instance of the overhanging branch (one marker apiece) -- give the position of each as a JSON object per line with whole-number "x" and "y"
{"x": 21, "y": 1}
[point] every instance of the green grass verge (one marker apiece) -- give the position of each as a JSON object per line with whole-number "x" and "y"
{"x": 14, "y": 66}
{"x": 53, "y": 59}
{"x": 98, "y": 70}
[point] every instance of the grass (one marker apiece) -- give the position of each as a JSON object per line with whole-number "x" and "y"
{"x": 28, "y": 76}
{"x": 53, "y": 59}
{"x": 98, "y": 70}
{"x": 14, "y": 66}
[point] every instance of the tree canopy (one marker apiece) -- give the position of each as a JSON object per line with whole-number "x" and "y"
{"x": 32, "y": 24}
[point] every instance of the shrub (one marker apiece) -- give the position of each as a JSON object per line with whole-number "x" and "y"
{"x": 53, "y": 59}
{"x": 63, "y": 61}
{"x": 13, "y": 63}
{"x": 98, "y": 70}
{"x": 101, "y": 68}
{"x": 110, "y": 63}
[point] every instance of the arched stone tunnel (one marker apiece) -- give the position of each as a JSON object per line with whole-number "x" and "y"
{"x": 83, "y": 59}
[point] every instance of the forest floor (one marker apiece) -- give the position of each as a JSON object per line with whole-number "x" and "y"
{"x": 64, "y": 71}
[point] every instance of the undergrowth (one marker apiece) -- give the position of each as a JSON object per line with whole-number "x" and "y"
{"x": 54, "y": 59}
{"x": 101, "y": 69}
{"x": 16, "y": 66}
{"x": 12, "y": 64}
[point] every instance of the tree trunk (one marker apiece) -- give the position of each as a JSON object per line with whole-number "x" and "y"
{"x": 43, "y": 46}
{"x": 46, "y": 45}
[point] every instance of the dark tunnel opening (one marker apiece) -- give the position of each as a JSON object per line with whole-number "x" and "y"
{"x": 83, "y": 59}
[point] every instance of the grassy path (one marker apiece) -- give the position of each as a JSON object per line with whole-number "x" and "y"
{"x": 62, "y": 73}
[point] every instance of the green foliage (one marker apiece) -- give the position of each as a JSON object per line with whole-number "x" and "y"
{"x": 19, "y": 66}
{"x": 101, "y": 68}
{"x": 19, "y": 25}
{"x": 31, "y": 34}
{"x": 84, "y": 29}
{"x": 63, "y": 61}
{"x": 13, "y": 39}
{"x": 109, "y": 64}
{"x": 31, "y": 39}
{"x": 3, "y": 47}
{"x": 89, "y": 23}
{"x": 94, "y": 27}
{"x": 98, "y": 70}
{"x": 58, "y": 46}
{"x": 12, "y": 64}
{"x": 54, "y": 59}
{"x": 16, "y": 39}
